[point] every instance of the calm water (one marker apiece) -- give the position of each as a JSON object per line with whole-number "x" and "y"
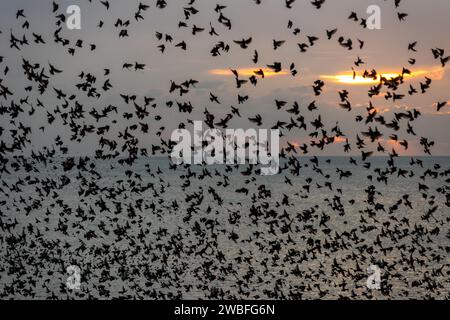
{"x": 145, "y": 231}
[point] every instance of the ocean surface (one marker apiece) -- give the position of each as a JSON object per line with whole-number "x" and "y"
{"x": 148, "y": 231}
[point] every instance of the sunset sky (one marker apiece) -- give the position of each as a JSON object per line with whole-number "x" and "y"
{"x": 385, "y": 50}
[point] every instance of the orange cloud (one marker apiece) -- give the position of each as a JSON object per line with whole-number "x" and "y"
{"x": 357, "y": 80}
{"x": 247, "y": 72}
{"x": 339, "y": 139}
{"x": 348, "y": 78}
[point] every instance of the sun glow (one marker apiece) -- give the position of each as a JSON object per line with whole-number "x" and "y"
{"x": 349, "y": 78}
{"x": 248, "y": 72}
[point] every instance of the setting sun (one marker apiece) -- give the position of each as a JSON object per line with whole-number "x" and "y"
{"x": 248, "y": 72}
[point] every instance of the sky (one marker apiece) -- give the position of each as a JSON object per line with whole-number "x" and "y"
{"x": 385, "y": 50}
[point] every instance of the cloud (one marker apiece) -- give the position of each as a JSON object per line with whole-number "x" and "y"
{"x": 248, "y": 72}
